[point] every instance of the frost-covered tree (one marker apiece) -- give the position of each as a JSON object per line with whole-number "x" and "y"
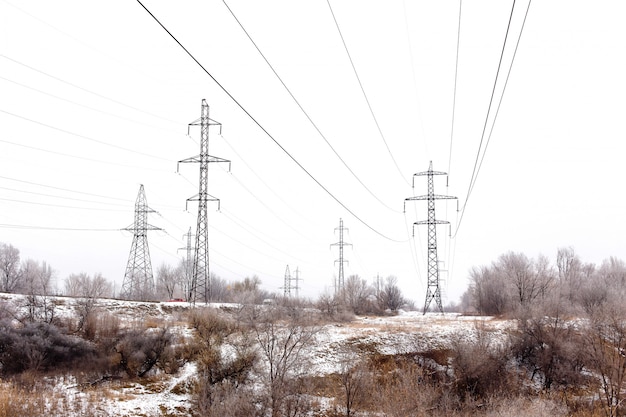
{"x": 10, "y": 273}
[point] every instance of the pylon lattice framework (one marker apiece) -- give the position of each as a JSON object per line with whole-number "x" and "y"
{"x": 200, "y": 288}
{"x": 340, "y": 276}
{"x": 287, "y": 286}
{"x": 433, "y": 289}
{"x": 188, "y": 264}
{"x": 138, "y": 281}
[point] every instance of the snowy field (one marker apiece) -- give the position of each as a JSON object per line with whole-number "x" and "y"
{"x": 409, "y": 331}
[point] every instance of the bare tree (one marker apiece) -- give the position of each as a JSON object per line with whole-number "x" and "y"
{"x": 167, "y": 280}
{"x": 282, "y": 344}
{"x": 354, "y": 380}
{"x": 488, "y": 292}
{"x": 390, "y": 298}
{"x": 356, "y": 294}
{"x": 519, "y": 271}
{"x": 606, "y": 342}
{"x": 219, "y": 288}
{"x": 36, "y": 283}
{"x": 221, "y": 377}
{"x": 569, "y": 272}
{"x": 82, "y": 285}
{"x": 87, "y": 289}
{"x": 327, "y": 303}
{"x": 479, "y": 365}
{"x": 551, "y": 349}
{"x": 37, "y": 278}
{"x": 606, "y": 284}
{"x": 9, "y": 268}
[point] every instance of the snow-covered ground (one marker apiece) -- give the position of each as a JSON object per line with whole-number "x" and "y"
{"x": 409, "y": 331}
{"x": 405, "y": 332}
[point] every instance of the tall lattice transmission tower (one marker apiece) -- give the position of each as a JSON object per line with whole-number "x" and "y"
{"x": 138, "y": 281}
{"x": 341, "y": 261}
{"x": 433, "y": 290}
{"x": 200, "y": 288}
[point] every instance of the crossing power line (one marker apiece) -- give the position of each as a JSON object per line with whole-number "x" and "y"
{"x": 265, "y": 131}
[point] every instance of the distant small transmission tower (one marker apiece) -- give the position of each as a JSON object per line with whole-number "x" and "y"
{"x": 188, "y": 264}
{"x": 297, "y": 278}
{"x": 340, "y": 277}
{"x": 200, "y": 279}
{"x": 287, "y": 283}
{"x": 138, "y": 281}
{"x": 433, "y": 290}
{"x": 287, "y": 286}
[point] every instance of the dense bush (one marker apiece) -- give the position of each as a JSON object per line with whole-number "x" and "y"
{"x": 220, "y": 388}
{"x": 480, "y": 368}
{"x": 552, "y": 350}
{"x": 140, "y": 350}
{"x": 41, "y": 347}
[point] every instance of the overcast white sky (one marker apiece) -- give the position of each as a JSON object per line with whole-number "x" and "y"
{"x": 95, "y": 98}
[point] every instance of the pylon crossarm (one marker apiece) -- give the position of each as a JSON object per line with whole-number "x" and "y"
{"x": 217, "y": 159}
{"x": 431, "y": 222}
{"x": 432, "y": 197}
{"x": 430, "y": 173}
{"x": 198, "y": 122}
{"x": 193, "y": 159}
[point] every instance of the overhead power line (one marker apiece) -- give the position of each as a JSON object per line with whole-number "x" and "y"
{"x": 304, "y": 111}
{"x": 61, "y": 197}
{"x": 506, "y": 82}
{"x": 267, "y": 133}
{"x": 481, "y": 155}
{"x": 58, "y": 205}
{"x": 78, "y": 135}
{"x": 86, "y": 90}
{"x": 36, "y": 148}
{"x": 69, "y": 229}
{"x": 364, "y": 94}
{"x": 73, "y": 191}
{"x": 456, "y": 74}
{"x": 81, "y": 105}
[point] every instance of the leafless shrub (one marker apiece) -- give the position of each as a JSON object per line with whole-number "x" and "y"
{"x": 506, "y": 406}
{"x": 138, "y": 351}
{"x": 221, "y": 378}
{"x": 331, "y": 308}
{"x": 225, "y": 399}
{"x": 479, "y": 366}
{"x": 8, "y": 310}
{"x": 354, "y": 379}
{"x": 39, "y": 347}
{"x": 551, "y": 349}
{"x": 282, "y": 343}
{"x": 211, "y": 326}
{"x": 606, "y": 342}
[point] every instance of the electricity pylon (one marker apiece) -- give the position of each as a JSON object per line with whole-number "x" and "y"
{"x": 340, "y": 278}
{"x": 200, "y": 279}
{"x": 297, "y": 278}
{"x": 188, "y": 264}
{"x": 138, "y": 281}
{"x": 287, "y": 283}
{"x": 433, "y": 290}
{"x": 287, "y": 286}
